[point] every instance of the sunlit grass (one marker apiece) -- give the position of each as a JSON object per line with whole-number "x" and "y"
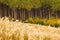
{"x": 15, "y": 30}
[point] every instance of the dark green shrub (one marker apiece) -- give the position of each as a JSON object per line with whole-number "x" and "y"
{"x": 52, "y": 21}
{"x": 56, "y": 25}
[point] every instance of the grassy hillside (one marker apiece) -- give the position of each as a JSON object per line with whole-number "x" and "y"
{"x": 15, "y": 30}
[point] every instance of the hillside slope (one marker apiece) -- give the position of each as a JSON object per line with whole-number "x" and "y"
{"x": 10, "y": 30}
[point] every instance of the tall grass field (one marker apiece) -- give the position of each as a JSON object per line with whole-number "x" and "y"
{"x": 15, "y": 30}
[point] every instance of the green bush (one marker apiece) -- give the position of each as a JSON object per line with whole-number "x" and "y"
{"x": 35, "y": 20}
{"x": 52, "y": 21}
{"x": 30, "y": 20}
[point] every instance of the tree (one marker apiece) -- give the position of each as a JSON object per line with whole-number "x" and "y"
{"x": 55, "y": 6}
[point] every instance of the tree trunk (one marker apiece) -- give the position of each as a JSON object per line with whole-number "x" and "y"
{"x": 49, "y": 14}
{"x": 24, "y": 14}
{"x": 0, "y": 12}
{"x": 35, "y": 12}
{"x": 15, "y": 14}
{"x": 20, "y": 14}
{"x": 12, "y": 14}
{"x": 29, "y": 14}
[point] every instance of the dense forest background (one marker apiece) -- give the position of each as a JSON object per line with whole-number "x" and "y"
{"x": 23, "y": 9}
